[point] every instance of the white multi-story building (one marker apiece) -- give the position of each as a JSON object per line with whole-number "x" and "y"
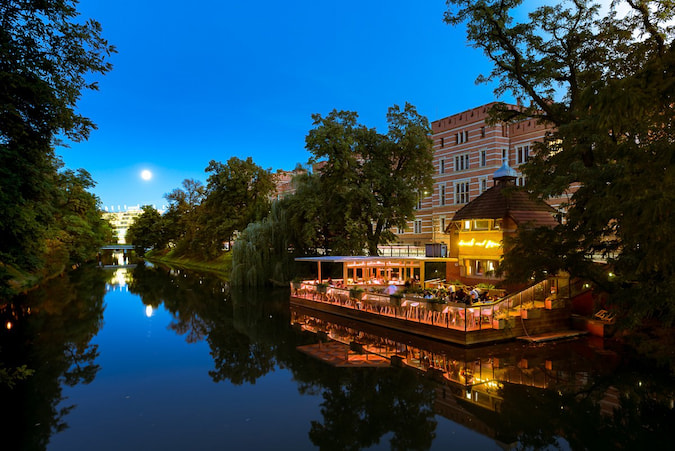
{"x": 121, "y": 221}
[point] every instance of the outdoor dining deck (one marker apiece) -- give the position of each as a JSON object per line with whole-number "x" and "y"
{"x": 531, "y": 311}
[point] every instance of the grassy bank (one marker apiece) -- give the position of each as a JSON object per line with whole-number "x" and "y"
{"x": 222, "y": 266}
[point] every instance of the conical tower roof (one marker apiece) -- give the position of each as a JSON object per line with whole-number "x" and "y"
{"x": 505, "y": 199}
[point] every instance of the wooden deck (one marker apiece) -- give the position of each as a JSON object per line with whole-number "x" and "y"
{"x": 549, "y": 321}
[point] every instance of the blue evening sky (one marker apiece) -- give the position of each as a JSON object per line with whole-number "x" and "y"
{"x": 212, "y": 79}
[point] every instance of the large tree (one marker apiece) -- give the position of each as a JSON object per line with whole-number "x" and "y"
{"x": 606, "y": 85}
{"x": 237, "y": 193}
{"x": 180, "y": 219}
{"x": 368, "y": 181}
{"x": 79, "y": 230}
{"x": 46, "y": 57}
{"x": 146, "y": 232}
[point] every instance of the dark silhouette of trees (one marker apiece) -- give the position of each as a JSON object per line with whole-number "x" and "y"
{"x": 605, "y": 85}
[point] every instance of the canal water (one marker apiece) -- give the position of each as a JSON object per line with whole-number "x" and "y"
{"x": 155, "y": 358}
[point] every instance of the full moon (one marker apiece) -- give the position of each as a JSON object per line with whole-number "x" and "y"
{"x": 146, "y": 175}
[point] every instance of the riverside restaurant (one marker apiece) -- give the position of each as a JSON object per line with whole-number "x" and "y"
{"x": 394, "y": 292}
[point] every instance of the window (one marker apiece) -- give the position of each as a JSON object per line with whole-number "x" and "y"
{"x": 461, "y": 192}
{"x": 441, "y": 194}
{"x": 483, "y": 158}
{"x": 418, "y": 205}
{"x": 442, "y": 224}
{"x": 481, "y": 224}
{"x": 400, "y": 230}
{"x": 442, "y": 142}
{"x": 522, "y": 154}
{"x": 442, "y": 169}
{"x": 520, "y": 181}
{"x": 462, "y": 162}
{"x": 462, "y": 137}
{"x": 482, "y": 132}
{"x": 418, "y": 226}
{"x": 505, "y": 155}
{"x": 482, "y": 184}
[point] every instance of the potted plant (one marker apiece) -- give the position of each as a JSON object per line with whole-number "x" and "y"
{"x": 356, "y": 293}
{"x": 296, "y": 283}
{"x": 395, "y": 299}
{"x": 435, "y": 304}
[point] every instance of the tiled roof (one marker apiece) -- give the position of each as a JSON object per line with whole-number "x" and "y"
{"x": 506, "y": 200}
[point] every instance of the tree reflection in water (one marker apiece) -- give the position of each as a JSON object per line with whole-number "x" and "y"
{"x": 249, "y": 334}
{"x": 526, "y": 396}
{"x": 589, "y": 396}
{"x": 52, "y": 337}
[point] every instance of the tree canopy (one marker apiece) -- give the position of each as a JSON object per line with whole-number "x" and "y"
{"x": 46, "y": 57}
{"x": 605, "y": 83}
{"x": 237, "y": 193}
{"x": 367, "y": 182}
{"x": 147, "y": 231}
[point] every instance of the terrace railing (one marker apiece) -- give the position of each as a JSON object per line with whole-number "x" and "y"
{"x": 497, "y": 314}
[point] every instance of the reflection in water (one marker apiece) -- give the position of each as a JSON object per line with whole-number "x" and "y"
{"x": 50, "y": 335}
{"x": 580, "y": 395}
{"x": 519, "y": 394}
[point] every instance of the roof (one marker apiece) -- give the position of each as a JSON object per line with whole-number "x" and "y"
{"x": 506, "y": 200}
{"x": 370, "y": 259}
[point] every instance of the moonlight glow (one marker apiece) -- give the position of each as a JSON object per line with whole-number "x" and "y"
{"x": 146, "y": 175}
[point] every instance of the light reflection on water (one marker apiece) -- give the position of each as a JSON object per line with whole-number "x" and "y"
{"x": 183, "y": 363}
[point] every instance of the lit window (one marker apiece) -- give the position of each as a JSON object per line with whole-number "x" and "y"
{"x": 481, "y": 224}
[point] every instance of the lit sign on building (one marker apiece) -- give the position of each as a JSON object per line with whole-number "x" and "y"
{"x": 487, "y": 244}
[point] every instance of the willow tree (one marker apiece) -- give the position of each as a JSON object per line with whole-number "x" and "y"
{"x": 606, "y": 85}
{"x": 368, "y": 181}
{"x": 260, "y": 255}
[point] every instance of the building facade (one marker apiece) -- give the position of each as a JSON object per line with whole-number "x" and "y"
{"x": 467, "y": 151}
{"x": 122, "y": 220}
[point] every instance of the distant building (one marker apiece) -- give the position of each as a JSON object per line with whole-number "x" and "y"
{"x": 467, "y": 151}
{"x": 283, "y": 182}
{"x": 122, "y": 220}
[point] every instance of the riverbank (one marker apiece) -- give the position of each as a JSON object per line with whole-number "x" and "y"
{"x": 222, "y": 266}
{"x": 19, "y": 281}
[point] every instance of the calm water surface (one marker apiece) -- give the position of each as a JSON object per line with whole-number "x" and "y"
{"x": 152, "y": 358}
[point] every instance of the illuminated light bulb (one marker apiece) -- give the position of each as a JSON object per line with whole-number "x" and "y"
{"x": 8, "y": 325}
{"x": 148, "y": 311}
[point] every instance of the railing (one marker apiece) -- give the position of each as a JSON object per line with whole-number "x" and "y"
{"x": 498, "y": 314}
{"x": 415, "y": 309}
{"x": 401, "y": 251}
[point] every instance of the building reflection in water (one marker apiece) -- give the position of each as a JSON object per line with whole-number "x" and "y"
{"x": 119, "y": 280}
{"x": 472, "y": 375}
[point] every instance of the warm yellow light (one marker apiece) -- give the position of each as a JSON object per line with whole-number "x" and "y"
{"x": 8, "y": 325}
{"x": 487, "y": 244}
